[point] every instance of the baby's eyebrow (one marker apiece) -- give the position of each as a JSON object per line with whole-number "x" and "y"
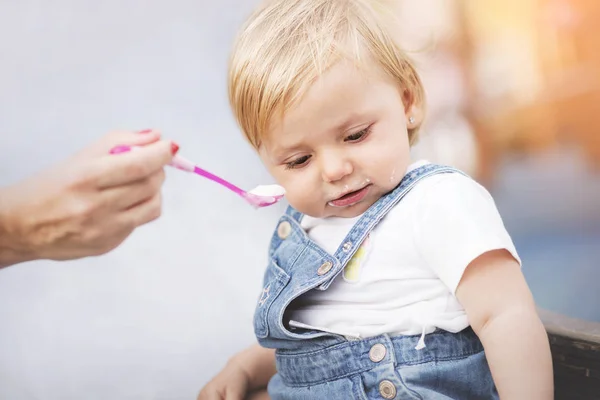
{"x": 352, "y": 120}
{"x": 280, "y": 151}
{"x": 279, "y": 154}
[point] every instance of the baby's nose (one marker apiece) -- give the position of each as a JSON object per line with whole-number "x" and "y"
{"x": 335, "y": 168}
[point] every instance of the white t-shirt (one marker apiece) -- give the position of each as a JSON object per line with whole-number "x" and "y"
{"x": 404, "y": 277}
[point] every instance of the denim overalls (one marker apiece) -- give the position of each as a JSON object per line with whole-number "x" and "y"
{"x": 320, "y": 365}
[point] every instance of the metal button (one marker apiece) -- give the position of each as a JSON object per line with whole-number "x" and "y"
{"x": 284, "y": 229}
{"x": 387, "y": 390}
{"x": 324, "y": 268}
{"x": 347, "y": 246}
{"x": 377, "y": 352}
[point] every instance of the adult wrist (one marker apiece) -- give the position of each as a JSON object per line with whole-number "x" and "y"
{"x": 14, "y": 246}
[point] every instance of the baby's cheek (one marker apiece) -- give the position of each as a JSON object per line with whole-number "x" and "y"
{"x": 295, "y": 196}
{"x": 301, "y": 200}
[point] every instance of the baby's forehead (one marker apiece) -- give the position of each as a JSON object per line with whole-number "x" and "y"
{"x": 346, "y": 88}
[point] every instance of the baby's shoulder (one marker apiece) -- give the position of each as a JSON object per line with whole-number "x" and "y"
{"x": 446, "y": 195}
{"x": 447, "y": 187}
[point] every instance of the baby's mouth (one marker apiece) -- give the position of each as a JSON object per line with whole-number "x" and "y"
{"x": 350, "y": 198}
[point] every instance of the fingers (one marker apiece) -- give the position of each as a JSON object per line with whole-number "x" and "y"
{"x": 235, "y": 394}
{"x": 145, "y": 212}
{"x": 259, "y": 395}
{"x": 125, "y": 168}
{"x": 226, "y": 393}
{"x": 126, "y": 196}
{"x": 139, "y": 138}
{"x": 210, "y": 395}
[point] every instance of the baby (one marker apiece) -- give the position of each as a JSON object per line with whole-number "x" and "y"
{"x": 387, "y": 277}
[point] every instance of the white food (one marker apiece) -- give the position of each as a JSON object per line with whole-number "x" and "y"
{"x": 268, "y": 190}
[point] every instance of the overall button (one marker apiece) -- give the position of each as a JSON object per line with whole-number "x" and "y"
{"x": 377, "y": 352}
{"x": 284, "y": 229}
{"x": 347, "y": 246}
{"x": 387, "y": 390}
{"x": 324, "y": 268}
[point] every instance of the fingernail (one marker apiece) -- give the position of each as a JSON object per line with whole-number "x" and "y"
{"x": 120, "y": 149}
{"x": 174, "y": 148}
{"x": 145, "y": 131}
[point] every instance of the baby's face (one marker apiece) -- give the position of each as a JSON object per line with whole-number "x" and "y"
{"x": 343, "y": 146}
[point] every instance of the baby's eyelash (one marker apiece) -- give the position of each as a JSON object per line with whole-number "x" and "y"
{"x": 355, "y": 137}
{"x": 297, "y": 162}
{"x": 352, "y": 138}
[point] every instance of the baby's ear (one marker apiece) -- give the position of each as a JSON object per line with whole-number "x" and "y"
{"x": 411, "y": 99}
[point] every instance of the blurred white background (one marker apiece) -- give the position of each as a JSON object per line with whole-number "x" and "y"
{"x": 159, "y": 316}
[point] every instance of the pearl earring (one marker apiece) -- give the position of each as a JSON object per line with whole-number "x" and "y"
{"x": 411, "y": 120}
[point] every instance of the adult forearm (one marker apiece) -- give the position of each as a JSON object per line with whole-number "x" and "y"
{"x": 14, "y": 247}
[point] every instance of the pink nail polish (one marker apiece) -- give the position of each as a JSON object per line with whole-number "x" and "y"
{"x": 120, "y": 149}
{"x": 174, "y": 148}
{"x": 145, "y": 131}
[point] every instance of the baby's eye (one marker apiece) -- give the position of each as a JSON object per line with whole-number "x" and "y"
{"x": 298, "y": 162}
{"x": 355, "y": 137}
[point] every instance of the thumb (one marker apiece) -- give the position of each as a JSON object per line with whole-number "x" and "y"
{"x": 128, "y": 138}
{"x": 118, "y": 138}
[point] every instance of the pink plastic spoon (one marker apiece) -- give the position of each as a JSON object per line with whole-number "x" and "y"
{"x": 260, "y": 196}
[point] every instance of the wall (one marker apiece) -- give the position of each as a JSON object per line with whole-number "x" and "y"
{"x": 159, "y": 316}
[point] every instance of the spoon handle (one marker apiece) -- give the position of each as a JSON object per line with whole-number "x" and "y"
{"x": 221, "y": 181}
{"x": 186, "y": 165}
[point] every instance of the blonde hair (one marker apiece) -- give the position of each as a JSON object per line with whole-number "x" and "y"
{"x": 287, "y": 44}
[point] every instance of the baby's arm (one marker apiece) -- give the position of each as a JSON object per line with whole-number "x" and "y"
{"x": 502, "y": 312}
{"x": 248, "y": 371}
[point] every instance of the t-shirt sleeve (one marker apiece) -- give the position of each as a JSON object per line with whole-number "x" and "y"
{"x": 456, "y": 222}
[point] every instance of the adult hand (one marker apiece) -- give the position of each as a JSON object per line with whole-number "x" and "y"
{"x": 86, "y": 205}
